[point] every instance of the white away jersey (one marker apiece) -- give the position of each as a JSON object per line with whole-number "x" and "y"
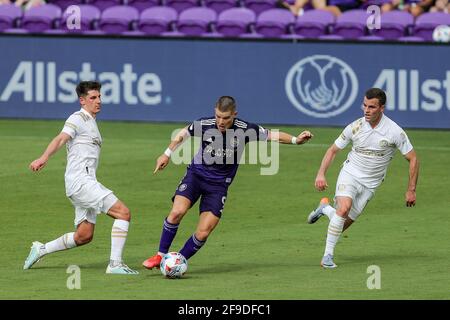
{"x": 373, "y": 149}
{"x": 83, "y": 150}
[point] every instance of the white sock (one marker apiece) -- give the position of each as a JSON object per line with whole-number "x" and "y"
{"x": 64, "y": 242}
{"x": 335, "y": 228}
{"x": 329, "y": 211}
{"x": 119, "y": 234}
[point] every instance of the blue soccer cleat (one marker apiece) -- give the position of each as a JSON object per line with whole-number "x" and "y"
{"x": 318, "y": 212}
{"x": 34, "y": 255}
{"x": 327, "y": 262}
{"x": 121, "y": 268}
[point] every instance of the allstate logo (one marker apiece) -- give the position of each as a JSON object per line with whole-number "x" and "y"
{"x": 321, "y": 86}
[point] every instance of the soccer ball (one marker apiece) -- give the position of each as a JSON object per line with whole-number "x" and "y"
{"x": 441, "y": 33}
{"x": 173, "y": 265}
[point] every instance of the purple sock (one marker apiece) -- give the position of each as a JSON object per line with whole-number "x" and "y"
{"x": 191, "y": 247}
{"x": 168, "y": 234}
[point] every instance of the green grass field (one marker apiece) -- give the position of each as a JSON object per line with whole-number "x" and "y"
{"x": 262, "y": 249}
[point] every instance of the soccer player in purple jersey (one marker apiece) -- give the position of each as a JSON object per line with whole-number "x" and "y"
{"x": 211, "y": 172}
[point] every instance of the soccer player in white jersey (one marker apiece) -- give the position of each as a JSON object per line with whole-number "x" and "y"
{"x": 375, "y": 139}
{"x": 89, "y": 197}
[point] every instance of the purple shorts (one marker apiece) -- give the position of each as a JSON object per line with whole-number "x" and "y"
{"x": 213, "y": 196}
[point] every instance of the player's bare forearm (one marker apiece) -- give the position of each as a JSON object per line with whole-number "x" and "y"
{"x": 410, "y": 195}
{"x": 321, "y": 182}
{"x": 286, "y": 138}
{"x": 53, "y": 147}
{"x": 179, "y": 139}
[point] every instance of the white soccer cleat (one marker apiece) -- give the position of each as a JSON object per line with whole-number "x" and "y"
{"x": 34, "y": 255}
{"x": 327, "y": 262}
{"x": 318, "y": 212}
{"x": 121, "y": 268}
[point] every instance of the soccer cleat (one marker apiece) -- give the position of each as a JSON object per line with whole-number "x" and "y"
{"x": 34, "y": 255}
{"x": 121, "y": 268}
{"x": 152, "y": 262}
{"x": 316, "y": 214}
{"x": 327, "y": 262}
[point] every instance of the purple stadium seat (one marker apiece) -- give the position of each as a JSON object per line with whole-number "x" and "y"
{"x": 16, "y": 31}
{"x": 181, "y": 5}
{"x": 9, "y": 14}
{"x": 63, "y": 4}
{"x": 314, "y": 23}
{"x": 196, "y": 21}
{"x": 118, "y": 19}
{"x": 220, "y": 5}
{"x": 235, "y": 21}
{"x": 351, "y": 24}
{"x": 331, "y": 37}
{"x": 427, "y": 22}
{"x": 156, "y": 20}
{"x": 41, "y": 18}
{"x": 88, "y": 16}
{"x": 141, "y": 5}
{"x": 260, "y": 5}
{"x": 394, "y": 24}
{"x": 411, "y": 39}
{"x": 371, "y": 38}
{"x": 104, "y": 4}
{"x": 274, "y": 23}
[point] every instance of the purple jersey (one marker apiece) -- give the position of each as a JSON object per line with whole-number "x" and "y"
{"x": 218, "y": 157}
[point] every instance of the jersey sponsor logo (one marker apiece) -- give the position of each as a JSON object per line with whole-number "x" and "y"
{"x": 321, "y": 86}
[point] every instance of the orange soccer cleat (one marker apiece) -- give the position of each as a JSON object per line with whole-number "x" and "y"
{"x": 152, "y": 262}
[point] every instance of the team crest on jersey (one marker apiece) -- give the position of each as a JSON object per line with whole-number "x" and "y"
{"x": 182, "y": 187}
{"x": 234, "y": 142}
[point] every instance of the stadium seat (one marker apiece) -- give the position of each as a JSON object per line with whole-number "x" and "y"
{"x": 370, "y": 38}
{"x": 427, "y": 22}
{"x": 9, "y": 15}
{"x": 274, "y": 23}
{"x": 259, "y": 6}
{"x": 181, "y": 5}
{"x": 88, "y": 16}
{"x": 411, "y": 39}
{"x": 220, "y": 5}
{"x": 351, "y": 24}
{"x": 118, "y": 19}
{"x": 141, "y": 5}
{"x": 104, "y": 4}
{"x": 314, "y": 23}
{"x": 157, "y": 20}
{"x": 64, "y": 4}
{"x": 235, "y": 21}
{"x": 196, "y": 21}
{"x": 41, "y": 18}
{"x": 331, "y": 37}
{"x": 395, "y": 24}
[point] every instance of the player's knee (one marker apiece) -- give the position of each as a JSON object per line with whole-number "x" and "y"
{"x": 175, "y": 216}
{"x": 125, "y": 214}
{"x": 83, "y": 238}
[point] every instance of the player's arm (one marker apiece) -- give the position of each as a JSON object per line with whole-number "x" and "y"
{"x": 178, "y": 140}
{"x": 321, "y": 182}
{"x": 286, "y": 138}
{"x": 52, "y": 148}
{"x": 410, "y": 195}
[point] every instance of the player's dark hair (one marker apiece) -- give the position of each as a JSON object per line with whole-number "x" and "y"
{"x": 84, "y": 86}
{"x": 225, "y": 104}
{"x": 378, "y": 94}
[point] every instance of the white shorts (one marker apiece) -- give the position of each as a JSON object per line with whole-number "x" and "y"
{"x": 90, "y": 200}
{"x": 348, "y": 186}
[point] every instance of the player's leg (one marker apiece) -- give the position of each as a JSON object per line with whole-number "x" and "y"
{"x": 335, "y": 228}
{"x": 85, "y": 224}
{"x": 211, "y": 208}
{"x": 180, "y": 206}
{"x": 207, "y": 223}
{"x": 122, "y": 217}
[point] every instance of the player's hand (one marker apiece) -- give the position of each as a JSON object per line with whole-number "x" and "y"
{"x": 410, "y": 198}
{"x": 38, "y": 164}
{"x": 304, "y": 137}
{"x": 161, "y": 163}
{"x": 321, "y": 183}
